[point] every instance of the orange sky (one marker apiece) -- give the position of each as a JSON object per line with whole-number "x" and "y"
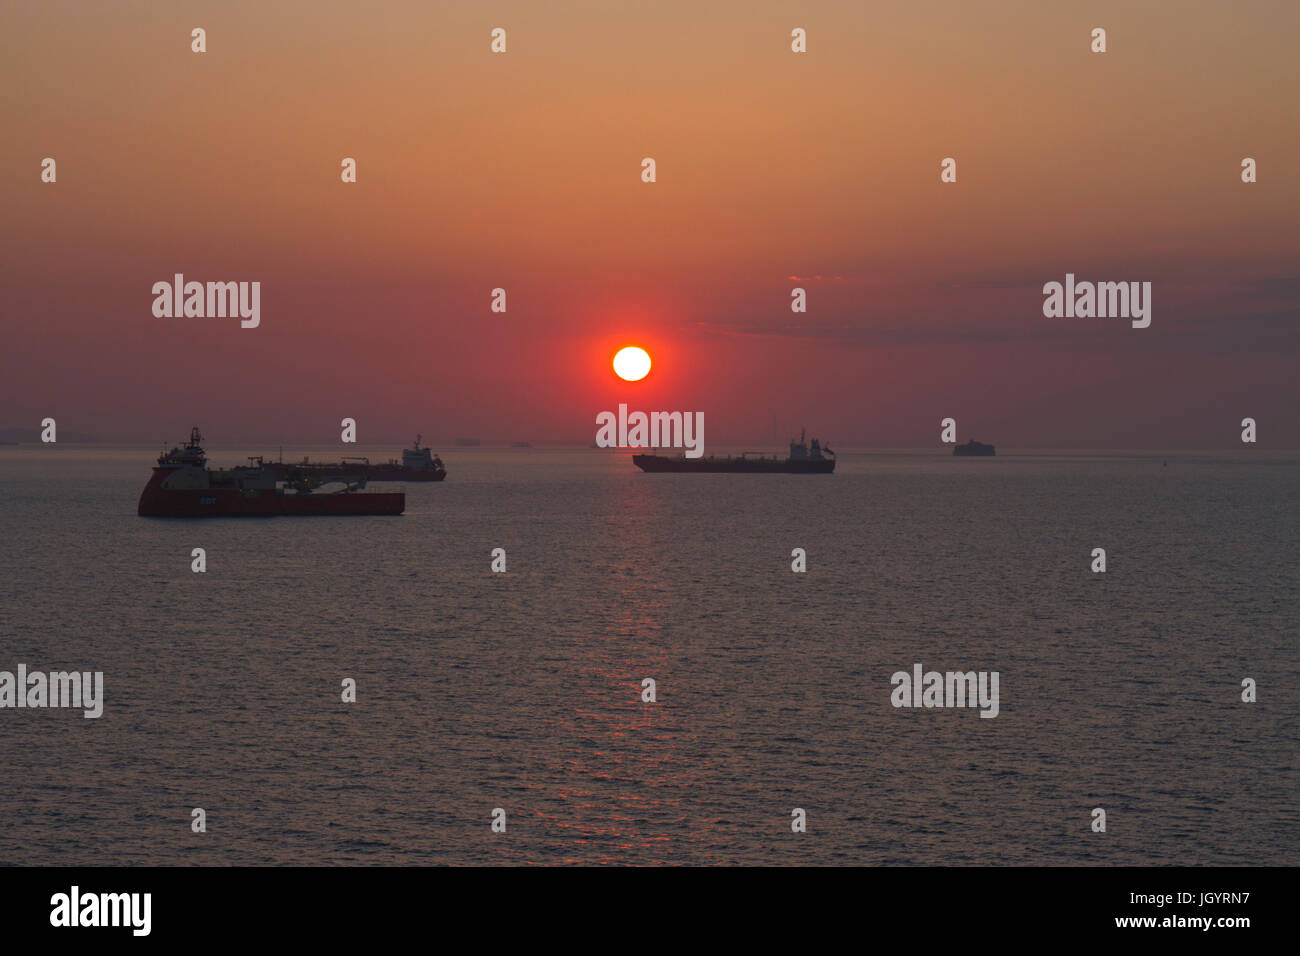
{"x": 522, "y": 171}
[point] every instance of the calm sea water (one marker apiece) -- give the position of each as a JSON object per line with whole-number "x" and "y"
{"x": 522, "y": 690}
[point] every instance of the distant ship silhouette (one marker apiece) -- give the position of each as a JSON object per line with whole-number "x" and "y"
{"x": 803, "y": 460}
{"x": 973, "y": 447}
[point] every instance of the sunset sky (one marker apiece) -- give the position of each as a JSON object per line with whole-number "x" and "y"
{"x": 775, "y": 170}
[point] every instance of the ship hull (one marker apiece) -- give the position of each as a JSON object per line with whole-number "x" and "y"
{"x": 369, "y": 472}
{"x": 735, "y": 466}
{"x": 159, "y": 502}
{"x": 405, "y": 474}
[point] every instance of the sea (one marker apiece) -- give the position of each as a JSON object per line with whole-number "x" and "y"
{"x": 502, "y": 717}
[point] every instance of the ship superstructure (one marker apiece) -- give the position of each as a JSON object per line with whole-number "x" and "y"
{"x": 420, "y": 459}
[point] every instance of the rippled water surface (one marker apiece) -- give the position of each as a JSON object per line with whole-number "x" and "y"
{"x": 522, "y": 690}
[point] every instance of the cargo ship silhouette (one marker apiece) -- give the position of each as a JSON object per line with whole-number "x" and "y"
{"x": 417, "y": 464}
{"x": 182, "y": 486}
{"x": 972, "y": 447}
{"x": 803, "y": 460}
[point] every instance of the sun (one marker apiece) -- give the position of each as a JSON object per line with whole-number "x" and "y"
{"x": 632, "y": 364}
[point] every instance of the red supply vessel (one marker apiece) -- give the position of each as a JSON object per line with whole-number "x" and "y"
{"x": 183, "y": 486}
